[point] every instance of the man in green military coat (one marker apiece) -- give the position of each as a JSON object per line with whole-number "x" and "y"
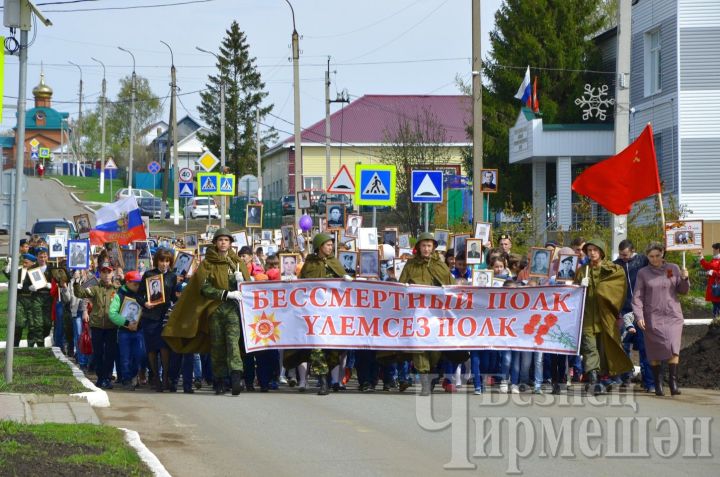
{"x": 323, "y": 264}
{"x": 208, "y": 308}
{"x": 606, "y": 287}
{"x": 426, "y": 268}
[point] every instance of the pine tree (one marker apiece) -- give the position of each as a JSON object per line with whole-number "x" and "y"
{"x": 244, "y": 93}
{"x": 554, "y": 37}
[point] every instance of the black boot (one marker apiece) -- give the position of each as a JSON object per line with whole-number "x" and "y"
{"x": 595, "y": 384}
{"x": 672, "y": 370}
{"x": 324, "y": 388}
{"x": 425, "y": 386}
{"x": 236, "y": 381}
{"x": 657, "y": 376}
{"x": 218, "y": 386}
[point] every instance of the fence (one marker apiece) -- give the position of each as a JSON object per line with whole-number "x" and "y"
{"x": 272, "y": 212}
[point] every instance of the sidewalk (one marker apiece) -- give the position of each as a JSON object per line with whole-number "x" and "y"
{"x": 39, "y": 409}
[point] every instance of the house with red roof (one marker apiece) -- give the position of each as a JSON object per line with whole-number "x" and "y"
{"x": 361, "y": 132}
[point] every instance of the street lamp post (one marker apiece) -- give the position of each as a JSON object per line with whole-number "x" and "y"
{"x": 173, "y": 123}
{"x": 222, "y": 133}
{"x": 79, "y": 123}
{"x": 132, "y": 119}
{"x": 297, "y": 170}
{"x": 102, "y": 125}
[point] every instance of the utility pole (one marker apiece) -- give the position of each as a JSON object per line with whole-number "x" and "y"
{"x": 78, "y": 132}
{"x": 20, "y": 19}
{"x": 102, "y": 126}
{"x": 173, "y": 137}
{"x": 327, "y": 126}
{"x": 478, "y": 209}
{"x": 618, "y": 223}
{"x": 258, "y": 150}
{"x": 297, "y": 170}
{"x": 132, "y": 119}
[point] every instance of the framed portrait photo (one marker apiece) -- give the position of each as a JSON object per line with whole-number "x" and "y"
{"x": 684, "y": 235}
{"x": 89, "y": 283}
{"x": 540, "y": 262}
{"x": 351, "y": 245}
{"x": 113, "y": 253}
{"x": 489, "y": 180}
{"x": 322, "y": 224}
{"x": 183, "y": 262}
{"x": 144, "y": 264}
{"x": 398, "y": 266}
{"x": 354, "y": 222}
{"x": 367, "y": 238}
{"x": 240, "y": 239}
{"x": 37, "y": 277}
{"x": 288, "y": 237}
{"x": 369, "y": 266}
{"x": 78, "y": 254}
{"x": 303, "y": 199}
{"x": 63, "y": 231}
{"x": 349, "y": 261}
{"x": 210, "y": 231}
{"x": 56, "y": 245}
{"x": 155, "y": 290}
{"x": 288, "y": 265}
{"x": 82, "y": 223}
{"x": 253, "y": 216}
{"x": 483, "y": 231}
{"x": 202, "y": 248}
{"x": 130, "y": 259}
{"x": 567, "y": 266}
{"x": 405, "y": 251}
{"x": 390, "y": 236}
{"x": 143, "y": 249}
{"x": 442, "y": 237}
{"x": 498, "y": 282}
{"x": 482, "y": 278}
{"x": 266, "y": 235}
{"x": 165, "y": 242}
{"x": 191, "y": 240}
{"x": 130, "y": 309}
{"x": 473, "y": 251}
{"x": 335, "y": 216}
{"x": 404, "y": 240}
{"x": 459, "y": 242}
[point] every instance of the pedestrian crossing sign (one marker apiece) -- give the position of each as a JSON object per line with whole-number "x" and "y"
{"x": 227, "y": 184}
{"x": 375, "y": 185}
{"x": 426, "y": 187}
{"x": 208, "y": 183}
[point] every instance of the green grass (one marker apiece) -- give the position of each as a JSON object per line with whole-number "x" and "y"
{"x": 88, "y": 188}
{"x": 3, "y": 314}
{"x": 77, "y": 449}
{"x": 36, "y": 370}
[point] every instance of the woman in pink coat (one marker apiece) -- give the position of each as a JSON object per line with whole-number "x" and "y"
{"x": 657, "y": 311}
{"x": 713, "y": 273}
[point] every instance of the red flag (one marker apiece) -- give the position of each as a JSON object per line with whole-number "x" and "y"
{"x": 618, "y": 182}
{"x": 535, "y": 103}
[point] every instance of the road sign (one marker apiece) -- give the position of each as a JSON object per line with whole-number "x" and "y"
{"x": 110, "y": 164}
{"x": 187, "y": 190}
{"x": 33, "y": 155}
{"x": 208, "y": 161}
{"x": 154, "y": 167}
{"x": 375, "y": 184}
{"x": 44, "y": 152}
{"x": 208, "y": 183}
{"x": 34, "y": 143}
{"x": 227, "y": 184}
{"x": 186, "y": 175}
{"x": 343, "y": 183}
{"x": 426, "y": 187}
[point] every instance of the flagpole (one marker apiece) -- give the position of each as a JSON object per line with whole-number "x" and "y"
{"x": 662, "y": 209}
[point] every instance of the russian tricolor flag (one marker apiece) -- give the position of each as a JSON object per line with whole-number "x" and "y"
{"x": 119, "y": 222}
{"x": 527, "y": 95}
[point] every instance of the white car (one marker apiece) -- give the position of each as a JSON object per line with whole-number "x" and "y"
{"x": 138, "y": 193}
{"x": 202, "y": 207}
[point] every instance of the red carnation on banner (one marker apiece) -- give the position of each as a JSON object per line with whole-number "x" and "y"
{"x": 620, "y": 181}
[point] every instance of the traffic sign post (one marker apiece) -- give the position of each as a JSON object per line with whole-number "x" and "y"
{"x": 110, "y": 165}
{"x": 426, "y": 188}
{"x": 375, "y": 186}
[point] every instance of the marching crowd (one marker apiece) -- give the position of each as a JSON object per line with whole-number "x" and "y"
{"x": 189, "y": 330}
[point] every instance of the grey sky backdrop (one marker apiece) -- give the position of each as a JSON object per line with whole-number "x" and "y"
{"x": 376, "y": 47}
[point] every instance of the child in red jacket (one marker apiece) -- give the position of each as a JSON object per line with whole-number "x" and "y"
{"x": 713, "y": 273}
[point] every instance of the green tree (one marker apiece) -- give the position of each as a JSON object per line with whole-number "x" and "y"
{"x": 244, "y": 93}
{"x": 554, "y": 37}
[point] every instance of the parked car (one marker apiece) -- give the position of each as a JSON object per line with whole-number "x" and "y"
{"x": 202, "y": 207}
{"x": 152, "y": 207}
{"x": 45, "y": 227}
{"x": 138, "y": 193}
{"x": 288, "y": 205}
{"x": 320, "y": 205}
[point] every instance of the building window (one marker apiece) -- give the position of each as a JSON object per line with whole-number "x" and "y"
{"x": 312, "y": 183}
{"x": 657, "y": 138}
{"x": 653, "y": 63}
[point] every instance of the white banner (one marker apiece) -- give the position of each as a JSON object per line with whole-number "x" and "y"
{"x": 393, "y": 316}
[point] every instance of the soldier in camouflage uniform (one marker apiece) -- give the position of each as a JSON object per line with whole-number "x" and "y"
{"x": 426, "y": 268}
{"x": 223, "y": 271}
{"x": 323, "y": 264}
{"x": 28, "y": 308}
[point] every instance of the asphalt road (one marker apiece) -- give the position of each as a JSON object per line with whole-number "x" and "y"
{"x": 390, "y": 434}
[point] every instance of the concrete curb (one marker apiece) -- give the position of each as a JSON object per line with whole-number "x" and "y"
{"x": 150, "y": 459}
{"x": 74, "y": 197}
{"x": 96, "y": 397}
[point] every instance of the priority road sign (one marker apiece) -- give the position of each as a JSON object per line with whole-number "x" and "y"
{"x": 154, "y": 167}
{"x": 208, "y": 161}
{"x": 343, "y": 183}
{"x": 110, "y": 164}
{"x": 187, "y": 190}
{"x": 375, "y": 185}
{"x": 426, "y": 186}
{"x": 44, "y": 152}
{"x": 208, "y": 183}
{"x": 34, "y": 143}
{"x": 186, "y": 175}
{"x": 227, "y": 184}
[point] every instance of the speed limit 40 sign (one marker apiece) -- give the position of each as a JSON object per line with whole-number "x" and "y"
{"x": 186, "y": 175}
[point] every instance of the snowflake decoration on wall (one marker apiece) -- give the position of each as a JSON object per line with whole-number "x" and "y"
{"x": 594, "y": 104}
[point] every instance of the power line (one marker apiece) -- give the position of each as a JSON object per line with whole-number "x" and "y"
{"x": 130, "y": 7}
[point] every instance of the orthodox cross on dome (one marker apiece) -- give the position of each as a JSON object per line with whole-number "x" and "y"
{"x": 594, "y": 104}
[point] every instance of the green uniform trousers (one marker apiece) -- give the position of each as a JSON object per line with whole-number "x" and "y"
{"x": 26, "y": 309}
{"x": 592, "y": 352}
{"x": 45, "y": 301}
{"x": 225, "y": 336}
{"x": 321, "y": 361}
{"x": 424, "y": 361}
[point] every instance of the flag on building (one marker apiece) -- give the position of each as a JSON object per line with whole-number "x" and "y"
{"x": 524, "y": 92}
{"x": 620, "y": 181}
{"x": 119, "y": 222}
